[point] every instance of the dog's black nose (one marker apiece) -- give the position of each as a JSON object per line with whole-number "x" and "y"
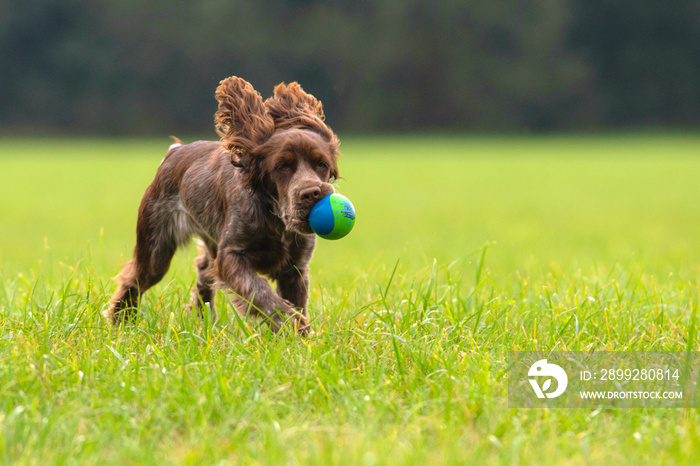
{"x": 310, "y": 194}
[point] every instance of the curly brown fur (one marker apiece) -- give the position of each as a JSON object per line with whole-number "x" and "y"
{"x": 247, "y": 197}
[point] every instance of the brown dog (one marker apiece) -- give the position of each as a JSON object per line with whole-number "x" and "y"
{"x": 248, "y": 199}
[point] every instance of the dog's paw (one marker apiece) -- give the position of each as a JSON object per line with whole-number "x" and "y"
{"x": 301, "y": 325}
{"x": 287, "y": 315}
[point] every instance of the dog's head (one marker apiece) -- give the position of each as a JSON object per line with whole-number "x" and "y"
{"x": 282, "y": 146}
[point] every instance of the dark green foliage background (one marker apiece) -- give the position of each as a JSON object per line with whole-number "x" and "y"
{"x": 126, "y": 66}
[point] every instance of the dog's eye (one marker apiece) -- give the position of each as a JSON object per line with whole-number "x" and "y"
{"x": 283, "y": 167}
{"x": 322, "y": 165}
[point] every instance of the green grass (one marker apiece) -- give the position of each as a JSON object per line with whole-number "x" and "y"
{"x": 465, "y": 248}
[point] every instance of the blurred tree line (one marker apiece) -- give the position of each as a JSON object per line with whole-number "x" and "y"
{"x": 151, "y": 66}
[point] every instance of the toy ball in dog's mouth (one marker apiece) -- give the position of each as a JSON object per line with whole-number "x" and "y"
{"x": 332, "y": 217}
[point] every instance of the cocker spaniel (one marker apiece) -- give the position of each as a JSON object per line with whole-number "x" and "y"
{"x": 247, "y": 197}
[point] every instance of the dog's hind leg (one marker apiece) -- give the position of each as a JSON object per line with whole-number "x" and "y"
{"x": 205, "y": 289}
{"x": 162, "y": 226}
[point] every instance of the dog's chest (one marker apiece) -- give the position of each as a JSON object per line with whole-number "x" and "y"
{"x": 271, "y": 255}
{"x": 272, "y": 258}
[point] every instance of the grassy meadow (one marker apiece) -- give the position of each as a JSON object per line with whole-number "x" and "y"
{"x": 465, "y": 248}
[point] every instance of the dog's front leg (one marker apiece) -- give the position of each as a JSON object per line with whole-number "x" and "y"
{"x": 254, "y": 291}
{"x": 293, "y": 285}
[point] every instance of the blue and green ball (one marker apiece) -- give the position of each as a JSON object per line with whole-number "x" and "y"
{"x": 332, "y": 217}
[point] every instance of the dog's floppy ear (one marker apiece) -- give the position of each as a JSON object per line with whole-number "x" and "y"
{"x": 291, "y": 107}
{"x": 290, "y": 102}
{"x": 242, "y": 119}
